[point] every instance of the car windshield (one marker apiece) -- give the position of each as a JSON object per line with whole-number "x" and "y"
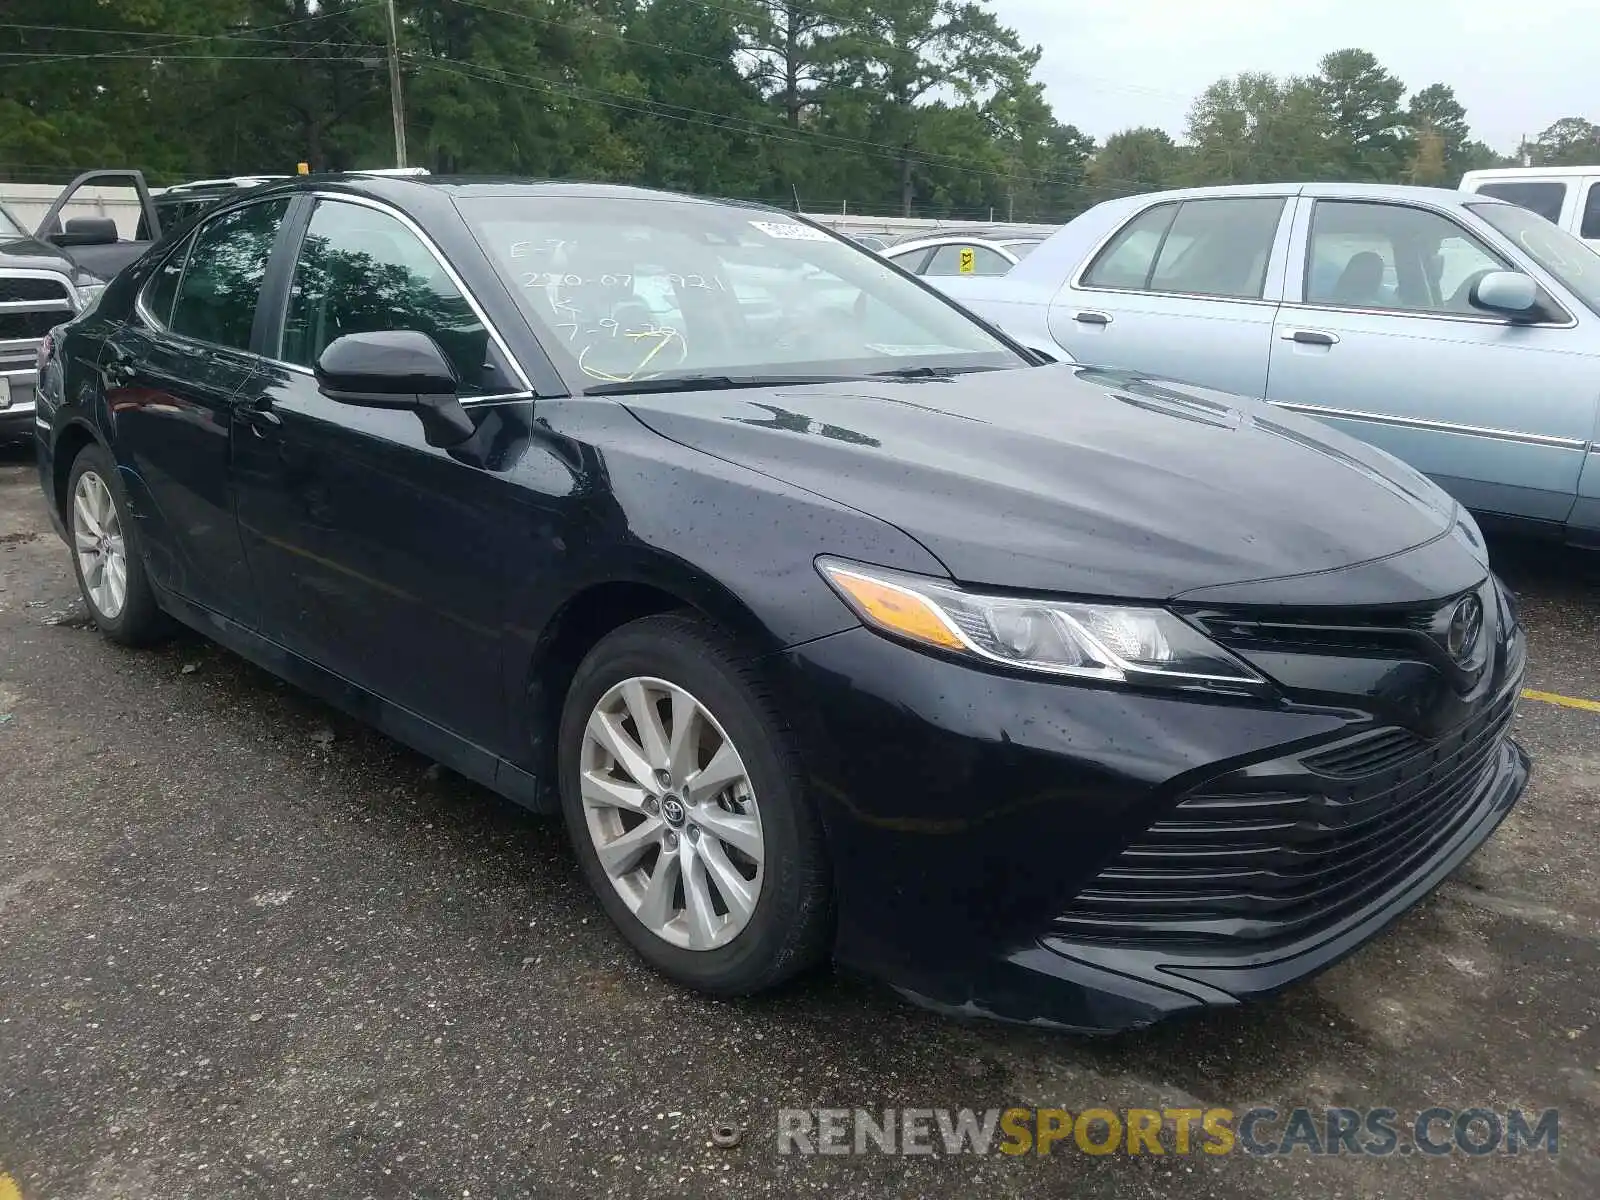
{"x": 639, "y": 289}
{"x": 8, "y": 225}
{"x": 1573, "y": 263}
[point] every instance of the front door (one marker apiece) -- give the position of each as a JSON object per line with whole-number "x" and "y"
{"x": 1382, "y": 341}
{"x": 379, "y": 557}
{"x": 171, "y": 376}
{"x": 1186, "y": 290}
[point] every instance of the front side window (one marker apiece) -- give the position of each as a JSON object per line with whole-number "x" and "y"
{"x": 966, "y": 260}
{"x": 1546, "y": 198}
{"x": 1575, "y": 264}
{"x": 364, "y": 271}
{"x": 637, "y": 289}
{"x": 161, "y": 291}
{"x": 1391, "y": 256}
{"x": 221, "y": 285}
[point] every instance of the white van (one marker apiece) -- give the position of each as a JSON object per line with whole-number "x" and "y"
{"x": 1569, "y": 196}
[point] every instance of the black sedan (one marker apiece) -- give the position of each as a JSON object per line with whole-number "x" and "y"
{"x": 831, "y": 621}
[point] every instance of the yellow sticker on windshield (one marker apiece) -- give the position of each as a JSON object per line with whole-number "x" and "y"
{"x": 969, "y": 260}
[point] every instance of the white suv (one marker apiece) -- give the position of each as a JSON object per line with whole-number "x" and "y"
{"x": 1566, "y": 196}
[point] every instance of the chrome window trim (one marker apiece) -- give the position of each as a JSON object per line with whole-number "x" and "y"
{"x": 526, "y": 391}
{"x": 143, "y": 309}
{"x": 1075, "y": 282}
{"x": 1454, "y": 219}
{"x": 1500, "y": 435}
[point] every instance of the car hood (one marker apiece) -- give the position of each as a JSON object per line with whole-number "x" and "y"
{"x": 1076, "y": 480}
{"x": 30, "y": 254}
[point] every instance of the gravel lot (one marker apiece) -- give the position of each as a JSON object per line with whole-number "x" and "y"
{"x": 250, "y": 948}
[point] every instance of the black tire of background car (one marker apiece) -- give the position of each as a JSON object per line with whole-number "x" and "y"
{"x": 141, "y": 620}
{"x": 792, "y": 926}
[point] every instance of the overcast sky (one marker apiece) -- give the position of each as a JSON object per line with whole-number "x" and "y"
{"x": 1516, "y": 66}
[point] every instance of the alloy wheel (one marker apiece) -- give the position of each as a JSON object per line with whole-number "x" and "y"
{"x": 98, "y": 541}
{"x": 671, "y": 813}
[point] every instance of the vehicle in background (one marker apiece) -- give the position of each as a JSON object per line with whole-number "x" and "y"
{"x": 183, "y": 201}
{"x": 1564, "y": 196}
{"x": 94, "y": 244}
{"x": 40, "y": 287}
{"x": 953, "y": 255}
{"x": 869, "y": 241}
{"x": 1041, "y": 692}
{"x": 1459, "y": 332}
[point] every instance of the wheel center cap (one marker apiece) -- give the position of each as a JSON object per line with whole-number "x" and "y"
{"x": 672, "y": 811}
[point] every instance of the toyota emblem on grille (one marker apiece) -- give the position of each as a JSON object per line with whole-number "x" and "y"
{"x": 1465, "y": 629}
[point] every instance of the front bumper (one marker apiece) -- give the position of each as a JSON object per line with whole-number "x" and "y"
{"x": 982, "y": 825}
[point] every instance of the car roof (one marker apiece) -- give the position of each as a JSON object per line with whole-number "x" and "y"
{"x": 426, "y": 189}
{"x": 950, "y": 239}
{"x": 1530, "y": 174}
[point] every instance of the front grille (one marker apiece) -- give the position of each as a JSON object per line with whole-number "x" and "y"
{"x": 1273, "y": 852}
{"x": 15, "y": 290}
{"x": 22, "y": 325}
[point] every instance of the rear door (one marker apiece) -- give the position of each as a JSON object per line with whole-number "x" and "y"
{"x": 1379, "y": 338}
{"x": 171, "y": 376}
{"x": 1186, "y": 289}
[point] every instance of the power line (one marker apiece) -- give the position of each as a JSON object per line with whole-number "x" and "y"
{"x": 593, "y": 31}
{"x": 693, "y": 116}
{"x": 201, "y": 37}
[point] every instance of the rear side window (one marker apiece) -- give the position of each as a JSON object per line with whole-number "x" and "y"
{"x": 363, "y": 271}
{"x": 221, "y": 284}
{"x": 1590, "y": 227}
{"x": 1130, "y": 257}
{"x": 1544, "y": 198}
{"x": 162, "y": 289}
{"x": 966, "y": 260}
{"x": 1219, "y": 248}
{"x": 1197, "y": 248}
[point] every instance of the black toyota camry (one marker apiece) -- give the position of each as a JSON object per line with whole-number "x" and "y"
{"x": 833, "y": 622}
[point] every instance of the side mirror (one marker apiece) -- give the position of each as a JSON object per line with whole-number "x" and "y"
{"x": 1509, "y": 293}
{"x": 87, "y": 231}
{"x": 397, "y": 369}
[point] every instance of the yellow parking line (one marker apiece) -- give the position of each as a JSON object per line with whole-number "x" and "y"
{"x": 1563, "y": 701}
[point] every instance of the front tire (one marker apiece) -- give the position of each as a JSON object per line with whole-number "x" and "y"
{"x": 683, "y": 796}
{"x": 105, "y": 558}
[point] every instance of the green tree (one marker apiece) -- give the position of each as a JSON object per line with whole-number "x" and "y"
{"x": 899, "y": 53}
{"x": 1362, "y": 103}
{"x": 1435, "y": 113}
{"x": 1134, "y": 161}
{"x": 1258, "y": 129}
{"x": 1570, "y": 142}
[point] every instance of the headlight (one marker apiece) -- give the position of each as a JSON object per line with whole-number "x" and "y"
{"x": 1086, "y": 641}
{"x": 89, "y": 293}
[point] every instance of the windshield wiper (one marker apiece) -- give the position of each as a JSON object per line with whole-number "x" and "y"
{"x": 929, "y": 372}
{"x": 708, "y": 383}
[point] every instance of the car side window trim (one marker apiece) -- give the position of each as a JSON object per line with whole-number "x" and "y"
{"x": 291, "y": 258}
{"x": 1299, "y": 302}
{"x": 140, "y": 301}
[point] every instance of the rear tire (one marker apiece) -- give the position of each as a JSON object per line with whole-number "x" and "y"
{"x": 715, "y": 870}
{"x": 105, "y": 553}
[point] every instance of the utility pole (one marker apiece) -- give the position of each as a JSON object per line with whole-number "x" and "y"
{"x": 396, "y": 101}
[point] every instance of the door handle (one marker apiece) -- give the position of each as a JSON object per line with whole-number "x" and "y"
{"x": 1310, "y": 337}
{"x": 1091, "y": 316}
{"x": 260, "y": 420}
